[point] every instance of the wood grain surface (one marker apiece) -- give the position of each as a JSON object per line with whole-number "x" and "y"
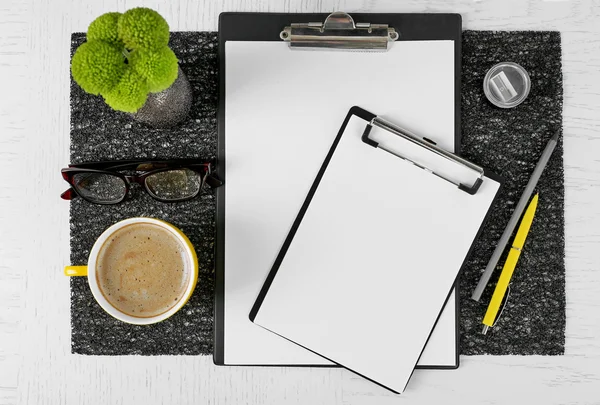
{"x": 36, "y": 366}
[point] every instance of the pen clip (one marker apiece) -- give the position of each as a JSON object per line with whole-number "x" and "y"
{"x": 503, "y": 306}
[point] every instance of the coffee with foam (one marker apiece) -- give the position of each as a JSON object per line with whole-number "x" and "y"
{"x": 143, "y": 270}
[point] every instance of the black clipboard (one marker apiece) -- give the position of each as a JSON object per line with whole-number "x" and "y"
{"x": 268, "y": 27}
{"x": 369, "y": 119}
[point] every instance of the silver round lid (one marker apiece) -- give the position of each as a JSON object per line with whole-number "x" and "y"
{"x": 506, "y": 84}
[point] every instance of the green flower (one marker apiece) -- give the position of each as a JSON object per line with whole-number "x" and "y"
{"x": 143, "y": 28}
{"x": 126, "y": 56}
{"x": 97, "y": 66}
{"x": 130, "y": 94}
{"x": 159, "y": 67}
{"x": 104, "y": 28}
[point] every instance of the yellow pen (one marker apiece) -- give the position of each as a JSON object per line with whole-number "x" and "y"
{"x": 509, "y": 266}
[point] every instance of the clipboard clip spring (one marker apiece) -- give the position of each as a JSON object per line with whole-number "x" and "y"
{"x": 339, "y": 31}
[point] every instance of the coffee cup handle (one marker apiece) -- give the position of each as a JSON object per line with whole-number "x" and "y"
{"x": 76, "y": 271}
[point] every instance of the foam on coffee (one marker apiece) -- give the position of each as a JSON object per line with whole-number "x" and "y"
{"x": 143, "y": 270}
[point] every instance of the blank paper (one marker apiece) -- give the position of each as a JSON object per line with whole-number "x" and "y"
{"x": 283, "y": 109}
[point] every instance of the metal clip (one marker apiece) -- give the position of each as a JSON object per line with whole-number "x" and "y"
{"x": 432, "y": 147}
{"x": 339, "y": 31}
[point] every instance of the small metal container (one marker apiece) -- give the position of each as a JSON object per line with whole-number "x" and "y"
{"x": 506, "y": 84}
{"x": 168, "y": 107}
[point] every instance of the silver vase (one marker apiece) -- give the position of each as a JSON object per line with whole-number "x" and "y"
{"x": 168, "y": 107}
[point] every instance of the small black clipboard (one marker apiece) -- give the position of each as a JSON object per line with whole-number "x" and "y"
{"x": 367, "y": 117}
{"x": 267, "y": 27}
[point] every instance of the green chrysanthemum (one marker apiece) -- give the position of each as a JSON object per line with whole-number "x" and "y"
{"x": 104, "y": 28}
{"x": 130, "y": 93}
{"x": 97, "y": 66}
{"x": 143, "y": 28}
{"x": 159, "y": 67}
{"x": 126, "y": 57}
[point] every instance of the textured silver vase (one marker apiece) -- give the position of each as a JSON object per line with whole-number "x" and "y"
{"x": 168, "y": 107}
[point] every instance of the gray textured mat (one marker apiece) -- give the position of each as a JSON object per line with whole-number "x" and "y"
{"x": 99, "y": 133}
{"x": 506, "y": 141}
{"x": 509, "y": 142}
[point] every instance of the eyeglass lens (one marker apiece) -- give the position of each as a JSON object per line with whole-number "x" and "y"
{"x": 174, "y": 185}
{"x": 100, "y": 187}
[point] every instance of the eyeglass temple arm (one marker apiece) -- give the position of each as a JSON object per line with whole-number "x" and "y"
{"x": 212, "y": 180}
{"x": 68, "y": 194}
{"x": 124, "y": 164}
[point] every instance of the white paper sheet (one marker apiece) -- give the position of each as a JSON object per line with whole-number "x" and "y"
{"x": 283, "y": 110}
{"x": 374, "y": 258}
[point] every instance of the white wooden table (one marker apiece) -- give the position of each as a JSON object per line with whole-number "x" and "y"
{"x": 36, "y": 366}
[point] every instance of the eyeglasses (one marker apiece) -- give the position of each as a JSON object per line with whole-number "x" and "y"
{"x": 163, "y": 180}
